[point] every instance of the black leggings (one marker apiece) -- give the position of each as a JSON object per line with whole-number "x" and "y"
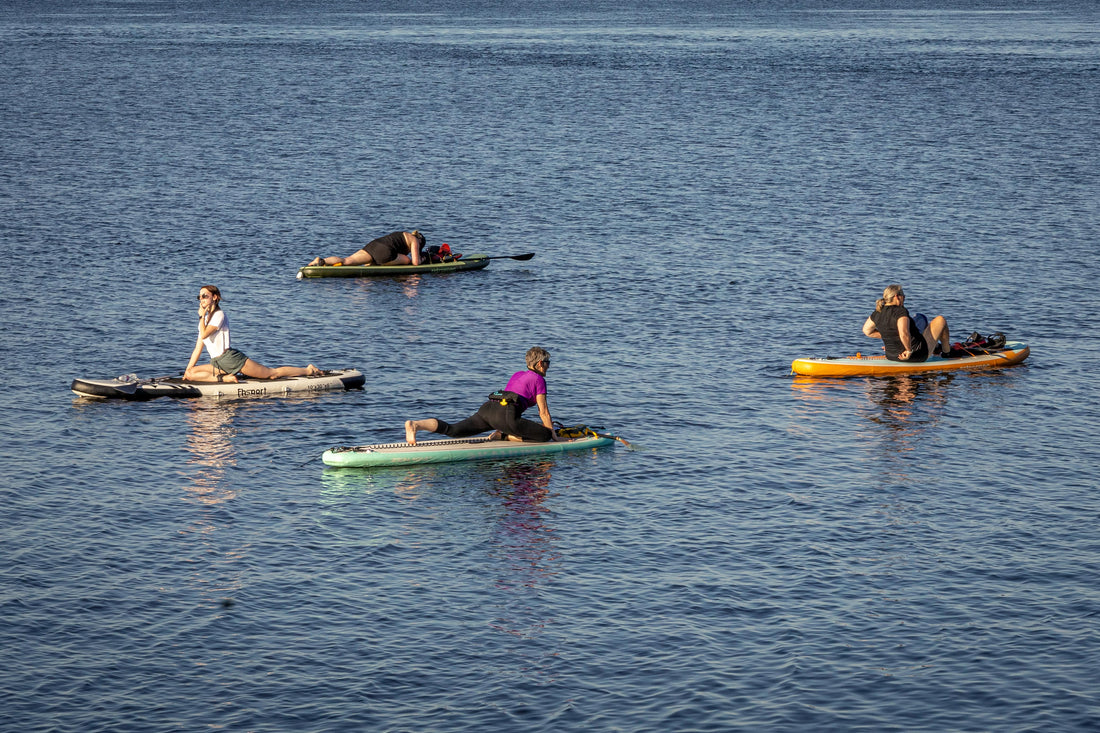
{"x": 495, "y": 416}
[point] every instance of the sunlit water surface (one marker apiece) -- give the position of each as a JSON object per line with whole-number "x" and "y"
{"x": 710, "y": 192}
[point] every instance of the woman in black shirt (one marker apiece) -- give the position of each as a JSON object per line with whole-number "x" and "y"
{"x": 901, "y": 338}
{"x": 396, "y": 248}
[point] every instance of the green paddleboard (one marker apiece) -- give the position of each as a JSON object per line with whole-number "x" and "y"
{"x": 468, "y": 262}
{"x": 447, "y": 451}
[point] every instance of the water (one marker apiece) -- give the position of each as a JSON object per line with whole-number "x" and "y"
{"x": 711, "y": 191}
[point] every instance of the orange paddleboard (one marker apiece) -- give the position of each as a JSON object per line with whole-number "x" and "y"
{"x": 1013, "y": 352}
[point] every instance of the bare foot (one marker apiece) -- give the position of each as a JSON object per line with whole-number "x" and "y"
{"x": 496, "y": 435}
{"x": 410, "y": 433}
{"x": 312, "y": 371}
{"x": 315, "y": 261}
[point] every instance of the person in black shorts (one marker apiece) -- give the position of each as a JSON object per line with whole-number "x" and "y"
{"x": 396, "y": 248}
{"x": 901, "y": 338}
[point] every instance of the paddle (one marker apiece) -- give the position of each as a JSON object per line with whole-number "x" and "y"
{"x": 524, "y": 258}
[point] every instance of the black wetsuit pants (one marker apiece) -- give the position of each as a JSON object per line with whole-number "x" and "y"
{"x": 495, "y": 416}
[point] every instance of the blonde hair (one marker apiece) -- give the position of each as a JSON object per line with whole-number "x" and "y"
{"x": 535, "y": 354}
{"x": 888, "y": 294}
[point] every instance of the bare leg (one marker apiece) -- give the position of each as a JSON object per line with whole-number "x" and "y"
{"x": 937, "y": 332}
{"x": 200, "y": 373}
{"x": 207, "y": 373}
{"x": 259, "y": 371}
{"x": 359, "y": 257}
{"x": 412, "y": 426}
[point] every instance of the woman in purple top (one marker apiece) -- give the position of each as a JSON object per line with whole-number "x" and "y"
{"x": 502, "y": 411}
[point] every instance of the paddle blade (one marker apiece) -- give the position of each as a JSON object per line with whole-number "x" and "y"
{"x": 527, "y": 256}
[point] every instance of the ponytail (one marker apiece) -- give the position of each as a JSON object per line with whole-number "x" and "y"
{"x": 887, "y": 294}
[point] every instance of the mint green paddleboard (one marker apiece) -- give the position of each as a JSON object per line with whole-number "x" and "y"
{"x": 447, "y": 451}
{"x": 468, "y": 262}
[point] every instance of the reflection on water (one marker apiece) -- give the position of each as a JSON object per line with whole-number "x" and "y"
{"x": 411, "y": 286}
{"x": 525, "y": 555}
{"x": 903, "y": 410}
{"x": 216, "y": 572}
{"x": 362, "y": 289}
{"x": 886, "y": 418}
{"x": 523, "y": 545}
{"x": 523, "y": 542}
{"x": 907, "y": 405}
{"x": 337, "y": 484}
{"x": 407, "y": 482}
{"x": 210, "y": 441}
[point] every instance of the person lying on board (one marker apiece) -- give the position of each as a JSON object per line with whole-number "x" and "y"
{"x": 901, "y": 334}
{"x": 226, "y": 362}
{"x": 396, "y": 248}
{"x": 503, "y": 409}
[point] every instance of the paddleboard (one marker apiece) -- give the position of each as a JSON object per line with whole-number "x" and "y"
{"x": 1013, "y": 352}
{"x": 468, "y": 262}
{"x": 447, "y": 451}
{"x": 130, "y": 388}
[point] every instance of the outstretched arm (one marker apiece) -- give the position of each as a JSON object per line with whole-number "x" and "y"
{"x": 205, "y": 330}
{"x": 195, "y": 354}
{"x": 414, "y": 248}
{"x": 544, "y": 413}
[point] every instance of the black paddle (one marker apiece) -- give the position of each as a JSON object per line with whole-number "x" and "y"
{"x": 524, "y": 258}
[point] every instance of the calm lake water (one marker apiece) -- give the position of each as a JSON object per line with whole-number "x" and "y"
{"x": 711, "y": 190}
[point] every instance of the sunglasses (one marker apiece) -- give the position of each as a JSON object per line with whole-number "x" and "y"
{"x": 205, "y": 296}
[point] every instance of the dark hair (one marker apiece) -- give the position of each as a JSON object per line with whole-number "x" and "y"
{"x": 213, "y": 291}
{"x": 216, "y": 300}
